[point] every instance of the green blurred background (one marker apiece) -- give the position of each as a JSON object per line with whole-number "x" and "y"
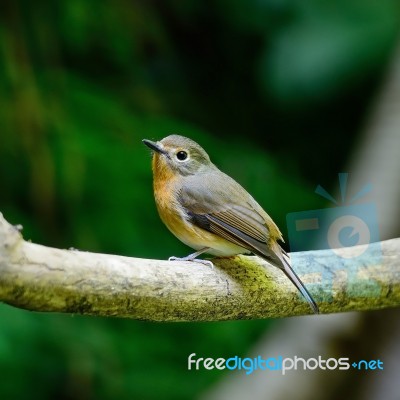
{"x": 276, "y": 91}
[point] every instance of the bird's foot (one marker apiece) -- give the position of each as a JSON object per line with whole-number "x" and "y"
{"x": 188, "y": 258}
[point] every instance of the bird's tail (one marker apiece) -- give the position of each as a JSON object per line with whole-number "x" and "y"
{"x": 284, "y": 265}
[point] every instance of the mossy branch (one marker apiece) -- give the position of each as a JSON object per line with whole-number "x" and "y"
{"x": 39, "y": 278}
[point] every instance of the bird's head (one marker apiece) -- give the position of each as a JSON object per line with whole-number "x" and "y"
{"x": 178, "y": 155}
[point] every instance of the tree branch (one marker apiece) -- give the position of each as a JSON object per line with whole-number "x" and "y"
{"x": 39, "y": 278}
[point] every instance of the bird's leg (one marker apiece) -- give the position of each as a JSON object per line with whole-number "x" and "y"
{"x": 192, "y": 257}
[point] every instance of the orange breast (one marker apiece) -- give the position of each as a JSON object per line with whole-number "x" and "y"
{"x": 171, "y": 212}
{"x": 174, "y": 216}
{"x": 165, "y": 191}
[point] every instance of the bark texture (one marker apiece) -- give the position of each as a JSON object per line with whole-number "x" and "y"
{"x": 39, "y": 278}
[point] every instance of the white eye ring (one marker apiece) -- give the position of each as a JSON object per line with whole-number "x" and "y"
{"x": 182, "y": 156}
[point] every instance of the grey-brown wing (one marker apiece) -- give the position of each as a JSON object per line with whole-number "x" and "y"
{"x": 220, "y": 205}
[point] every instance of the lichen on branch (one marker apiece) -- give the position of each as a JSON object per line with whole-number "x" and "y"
{"x": 39, "y": 278}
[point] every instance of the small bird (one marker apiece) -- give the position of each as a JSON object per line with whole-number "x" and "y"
{"x": 209, "y": 211}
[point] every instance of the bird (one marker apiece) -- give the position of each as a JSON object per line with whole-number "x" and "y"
{"x": 210, "y": 212}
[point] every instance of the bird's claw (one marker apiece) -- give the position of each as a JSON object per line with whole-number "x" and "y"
{"x": 205, "y": 262}
{"x": 198, "y": 260}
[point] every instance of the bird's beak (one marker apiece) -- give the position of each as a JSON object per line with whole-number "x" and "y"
{"x": 154, "y": 146}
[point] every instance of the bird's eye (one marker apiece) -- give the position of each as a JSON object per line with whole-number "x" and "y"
{"x": 181, "y": 155}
